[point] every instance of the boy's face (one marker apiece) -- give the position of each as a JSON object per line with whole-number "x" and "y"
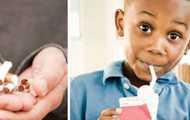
{"x": 157, "y": 32}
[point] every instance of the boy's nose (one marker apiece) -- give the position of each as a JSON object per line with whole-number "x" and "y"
{"x": 157, "y": 47}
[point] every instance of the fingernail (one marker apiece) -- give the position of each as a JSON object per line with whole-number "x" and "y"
{"x": 115, "y": 117}
{"x": 43, "y": 87}
{"x": 118, "y": 110}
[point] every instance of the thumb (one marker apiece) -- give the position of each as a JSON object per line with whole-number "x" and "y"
{"x": 48, "y": 68}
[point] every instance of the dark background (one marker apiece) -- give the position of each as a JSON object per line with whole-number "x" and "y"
{"x": 25, "y": 25}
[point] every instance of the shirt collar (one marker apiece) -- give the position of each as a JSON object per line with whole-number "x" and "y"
{"x": 169, "y": 78}
{"x": 115, "y": 70}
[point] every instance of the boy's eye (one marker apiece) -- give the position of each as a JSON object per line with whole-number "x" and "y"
{"x": 174, "y": 36}
{"x": 145, "y": 27}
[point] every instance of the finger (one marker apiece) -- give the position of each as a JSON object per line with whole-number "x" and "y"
{"x": 108, "y": 112}
{"x": 48, "y": 67}
{"x": 27, "y": 74}
{"x": 111, "y": 112}
{"x": 37, "y": 113}
{"x": 17, "y": 101}
{"x": 40, "y": 110}
{"x": 114, "y": 117}
{"x": 106, "y": 118}
{"x": 27, "y": 100}
{"x": 61, "y": 88}
{"x": 10, "y": 102}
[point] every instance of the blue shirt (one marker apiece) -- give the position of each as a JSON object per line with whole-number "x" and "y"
{"x": 93, "y": 92}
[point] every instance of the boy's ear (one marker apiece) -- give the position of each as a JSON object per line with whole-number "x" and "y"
{"x": 119, "y": 22}
{"x": 187, "y": 48}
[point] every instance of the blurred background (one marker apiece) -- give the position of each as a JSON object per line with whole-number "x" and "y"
{"x": 92, "y": 38}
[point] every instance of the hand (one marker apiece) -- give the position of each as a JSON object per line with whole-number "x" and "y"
{"x": 47, "y": 70}
{"x": 41, "y": 75}
{"x": 110, "y": 114}
{"x": 41, "y": 109}
{"x": 18, "y": 101}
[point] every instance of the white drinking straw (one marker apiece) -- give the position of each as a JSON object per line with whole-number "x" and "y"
{"x": 153, "y": 74}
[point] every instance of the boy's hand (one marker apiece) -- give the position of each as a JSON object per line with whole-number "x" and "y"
{"x": 110, "y": 114}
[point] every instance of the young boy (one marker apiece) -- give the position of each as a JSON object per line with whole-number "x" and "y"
{"x": 157, "y": 33}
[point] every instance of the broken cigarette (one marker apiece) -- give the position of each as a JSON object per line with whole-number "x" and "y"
{"x": 4, "y": 69}
{"x": 8, "y": 88}
{"x": 10, "y": 82}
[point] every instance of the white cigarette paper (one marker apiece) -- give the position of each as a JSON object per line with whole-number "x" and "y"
{"x": 15, "y": 80}
{"x": 4, "y": 69}
{"x": 10, "y": 86}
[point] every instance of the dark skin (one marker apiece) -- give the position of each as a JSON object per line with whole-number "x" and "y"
{"x": 134, "y": 80}
{"x": 155, "y": 35}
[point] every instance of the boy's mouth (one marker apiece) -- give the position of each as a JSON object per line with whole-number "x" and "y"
{"x": 147, "y": 64}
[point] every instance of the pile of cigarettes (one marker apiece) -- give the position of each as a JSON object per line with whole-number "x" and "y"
{"x": 11, "y": 82}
